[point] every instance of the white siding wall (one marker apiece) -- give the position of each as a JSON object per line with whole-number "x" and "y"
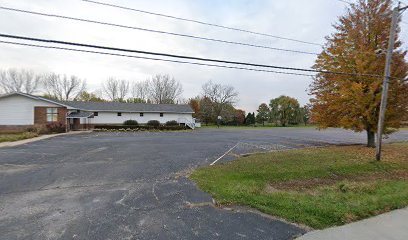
{"x": 113, "y": 118}
{"x": 19, "y": 110}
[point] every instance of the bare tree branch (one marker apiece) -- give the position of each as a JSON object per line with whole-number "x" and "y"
{"x": 63, "y": 87}
{"x": 110, "y": 88}
{"x": 123, "y": 89}
{"x": 14, "y": 80}
{"x": 219, "y": 95}
{"x": 163, "y": 89}
{"x": 140, "y": 90}
{"x": 116, "y": 89}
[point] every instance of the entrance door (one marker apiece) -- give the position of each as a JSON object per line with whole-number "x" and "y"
{"x": 77, "y": 124}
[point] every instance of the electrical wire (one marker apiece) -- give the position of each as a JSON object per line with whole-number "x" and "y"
{"x": 156, "y": 31}
{"x": 182, "y": 56}
{"x": 159, "y": 59}
{"x": 203, "y": 23}
{"x": 343, "y": 1}
{"x": 155, "y": 59}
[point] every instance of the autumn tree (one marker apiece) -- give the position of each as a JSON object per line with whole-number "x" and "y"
{"x": 263, "y": 114}
{"x": 239, "y": 118}
{"x": 284, "y": 110}
{"x": 195, "y": 105}
{"x": 353, "y": 101}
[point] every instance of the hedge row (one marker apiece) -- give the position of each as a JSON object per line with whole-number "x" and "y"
{"x": 138, "y": 128}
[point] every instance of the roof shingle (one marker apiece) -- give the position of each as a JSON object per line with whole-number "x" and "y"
{"x": 128, "y": 107}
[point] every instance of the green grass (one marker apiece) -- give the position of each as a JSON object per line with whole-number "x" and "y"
{"x": 318, "y": 187}
{"x": 258, "y": 126}
{"x": 12, "y": 137}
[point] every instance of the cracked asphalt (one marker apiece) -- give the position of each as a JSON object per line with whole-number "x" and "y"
{"x": 134, "y": 185}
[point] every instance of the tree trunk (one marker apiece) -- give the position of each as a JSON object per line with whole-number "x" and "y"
{"x": 370, "y": 138}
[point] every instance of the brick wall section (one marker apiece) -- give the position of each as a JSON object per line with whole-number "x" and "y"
{"x": 40, "y": 115}
{"x": 14, "y": 128}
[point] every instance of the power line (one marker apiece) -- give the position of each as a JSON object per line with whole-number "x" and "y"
{"x": 182, "y": 56}
{"x": 159, "y": 59}
{"x": 156, "y": 31}
{"x": 155, "y": 59}
{"x": 203, "y": 23}
{"x": 343, "y": 1}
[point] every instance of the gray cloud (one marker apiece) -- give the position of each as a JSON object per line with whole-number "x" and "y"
{"x": 307, "y": 20}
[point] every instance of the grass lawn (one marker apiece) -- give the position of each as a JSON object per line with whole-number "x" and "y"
{"x": 259, "y": 126}
{"x": 12, "y": 137}
{"x": 318, "y": 187}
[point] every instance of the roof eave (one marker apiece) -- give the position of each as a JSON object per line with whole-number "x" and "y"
{"x": 127, "y": 111}
{"x": 33, "y": 97}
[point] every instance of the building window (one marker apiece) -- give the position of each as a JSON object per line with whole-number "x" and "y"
{"x": 161, "y": 114}
{"x": 95, "y": 114}
{"x": 119, "y": 114}
{"x": 141, "y": 114}
{"x": 52, "y": 114}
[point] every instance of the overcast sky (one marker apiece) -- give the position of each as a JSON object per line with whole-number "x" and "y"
{"x": 309, "y": 20}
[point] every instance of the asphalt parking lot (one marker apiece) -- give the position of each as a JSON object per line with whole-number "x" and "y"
{"x": 134, "y": 185}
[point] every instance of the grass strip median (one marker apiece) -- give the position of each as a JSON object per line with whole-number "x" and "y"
{"x": 318, "y": 187}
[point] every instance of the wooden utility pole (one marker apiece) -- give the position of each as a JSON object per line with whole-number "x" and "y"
{"x": 383, "y": 106}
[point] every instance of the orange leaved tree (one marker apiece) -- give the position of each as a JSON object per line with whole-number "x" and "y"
{"x": 358, "y": 46}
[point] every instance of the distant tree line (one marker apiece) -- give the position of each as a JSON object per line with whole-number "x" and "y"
{"x": 217, "y": 100}
{"x": 159, "y": 88}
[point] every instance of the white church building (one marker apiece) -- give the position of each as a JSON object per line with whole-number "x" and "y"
{"x": 20, "y": 111}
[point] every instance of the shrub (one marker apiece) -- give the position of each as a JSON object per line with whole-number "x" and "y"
{"x": 55, "y": 128}
{"x": 117, "y": 127}
{"x": 122, "y": 128}
{"x": 153, "y": 123}
{"x": 33, "y": 130}
{"x": 130, "y": 123}
{"x": 172, "y": 123}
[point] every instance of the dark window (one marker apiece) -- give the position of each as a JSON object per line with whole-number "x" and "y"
{"x": 95, "y": 114}
{"x": 119, "y": 114}
{"x": 141, "y": 114}
{"x": 52, "y": 114}
{"x": 161, "y": 114}
{"x": 78, "y": 111}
